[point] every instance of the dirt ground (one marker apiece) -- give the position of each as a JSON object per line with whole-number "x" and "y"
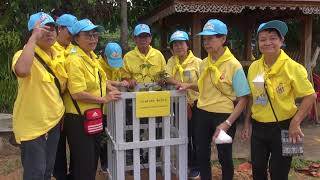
{"x": 10, "y": 165}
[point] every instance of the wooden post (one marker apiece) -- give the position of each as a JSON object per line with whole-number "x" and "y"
{"x": 196, "y": 40}
{"x": 248, "y": 38}
{"x": 163, "y": 34}
{"x": 307, "y": 43}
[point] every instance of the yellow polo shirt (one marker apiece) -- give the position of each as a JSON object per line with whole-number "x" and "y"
{"x": 38, "y": 106}
{"x": 83, "y": 75}
{"x": 143, "y": 68}
{"x": 66, "y": 51}
{"x": 113, "y": 74}
{"x": 287, "y": 80}
{"x": 231, "y": 84}
{"x": 190, "y": 71}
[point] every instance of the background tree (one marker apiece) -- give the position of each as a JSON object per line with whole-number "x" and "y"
{"x": 124, "y": 25}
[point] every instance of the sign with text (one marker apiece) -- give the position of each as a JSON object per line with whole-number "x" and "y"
{"x": 152, "y": 104}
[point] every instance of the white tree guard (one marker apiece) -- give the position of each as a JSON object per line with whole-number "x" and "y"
{"x": 129, "y": 134}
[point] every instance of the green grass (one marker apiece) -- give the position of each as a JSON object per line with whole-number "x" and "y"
{"x": 298, "y": 163}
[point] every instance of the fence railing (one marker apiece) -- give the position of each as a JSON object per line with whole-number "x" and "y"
{"x": 156, "y": 144}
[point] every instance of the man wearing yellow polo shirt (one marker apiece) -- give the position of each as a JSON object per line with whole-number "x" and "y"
{"x": 144, "y": 62}
{"x": 39, "y": 108}
{"x": 63, "y": 45}
{"x": 275, "y": 81}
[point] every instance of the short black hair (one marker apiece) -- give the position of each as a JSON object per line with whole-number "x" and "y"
{"x": 187, "y": 42}
{"x": 227, "y": 42}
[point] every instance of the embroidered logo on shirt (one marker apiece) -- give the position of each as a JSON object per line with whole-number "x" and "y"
{"x": 223, "y": 76}
{"x": 280, "y": 88}
{"x": 73, "y": 50}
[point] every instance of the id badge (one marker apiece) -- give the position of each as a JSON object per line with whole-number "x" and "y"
{"x": 187, "y": 75}
{"x": 262, "y": 100}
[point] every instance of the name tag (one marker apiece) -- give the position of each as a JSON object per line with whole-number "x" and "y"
{"x": 187, "y": 73}
{"x": 262, "y": 100}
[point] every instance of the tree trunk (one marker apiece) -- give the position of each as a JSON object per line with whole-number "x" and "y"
{"x": 124, "y": 25}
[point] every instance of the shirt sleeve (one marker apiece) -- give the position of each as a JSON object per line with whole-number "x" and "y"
{"x": 15, "y": 59}
{"x": 77, "y": 80}
{"x": 240, "y": 83}
{"x": 169, "y": 67}
{"x": 301, "y": 85}
{"x": 125, "y": 73}
{"x": 163, "y": 61}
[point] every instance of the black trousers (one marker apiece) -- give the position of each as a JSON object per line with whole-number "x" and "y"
{"x": 103, "y": 144}
{"x": 206, "y": 123}
{"x": 192, "y": 145}
{"x": 60, "y": 171}
{"x": 266, "y": 150}
{"x": 84, "y": 148}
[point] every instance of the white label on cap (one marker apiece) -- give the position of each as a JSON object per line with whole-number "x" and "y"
{"x": 178, "y": 34}
{"x": 115, "y": 55}
{"x": 208, "y": 26}
{"x": 144, "y": 27}
{"x": 43, "y": 17}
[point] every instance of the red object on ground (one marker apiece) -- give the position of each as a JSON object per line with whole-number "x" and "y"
{"x": 244, "y": 167}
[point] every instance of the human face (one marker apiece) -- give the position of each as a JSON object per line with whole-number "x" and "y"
{"x": 180, "y": 48}
{"x": 48, "y": 37}
{"x": 64, "y": 35}
{"x": 143, "y": 40}
{"x": 87, "y": 40}
{"x": 269, "y": 42}
{"x": 213, "y": 43}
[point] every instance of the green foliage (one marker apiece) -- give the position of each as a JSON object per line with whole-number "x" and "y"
{"x": 298, "y": 163}
{"x": 9, "y": 44}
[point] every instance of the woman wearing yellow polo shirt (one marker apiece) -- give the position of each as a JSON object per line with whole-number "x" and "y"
{"x": 222, "y": 81}
{"x": 184, "y": 67}
{"x": 63, "y": 45}
{"x": 87, "y": 87}
{"x": 275, "y": 81}
{"x": 39, "y": 108}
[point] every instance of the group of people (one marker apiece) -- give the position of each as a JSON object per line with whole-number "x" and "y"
{"x": 61, "y": 79}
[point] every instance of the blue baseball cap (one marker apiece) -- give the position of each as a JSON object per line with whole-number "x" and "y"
{"x": 67, "y": 20}
{"x": 141, "y": 28}
{"x": 214, "y": 27}
{"x": 113, "y": 53}
{"x": 85, "y": 25}
{"x": 43, "y": 17}
{"x": 179, "y": 36}
{"x": 280, "y": 26}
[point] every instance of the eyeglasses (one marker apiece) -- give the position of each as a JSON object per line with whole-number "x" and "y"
{"x": 89, "y": 36}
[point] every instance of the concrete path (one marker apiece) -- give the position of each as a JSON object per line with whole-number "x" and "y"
{"x": 5, "y": 123}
